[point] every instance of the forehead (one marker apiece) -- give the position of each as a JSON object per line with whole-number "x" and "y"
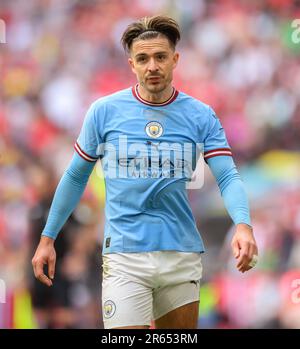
{"x": 150, "y": 46}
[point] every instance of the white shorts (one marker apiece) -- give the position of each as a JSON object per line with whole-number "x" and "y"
{"x": 140, "y": 287}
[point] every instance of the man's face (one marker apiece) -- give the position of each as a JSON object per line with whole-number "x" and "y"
{"x": 153, "y": 62}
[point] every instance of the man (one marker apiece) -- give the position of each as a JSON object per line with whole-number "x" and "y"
{"x": 151, "y": 251}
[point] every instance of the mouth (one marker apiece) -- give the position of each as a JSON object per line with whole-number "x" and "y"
{"x": 154, "y": 79}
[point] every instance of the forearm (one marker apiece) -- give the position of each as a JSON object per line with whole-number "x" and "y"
{"x": 236, "y": 201}
{"x": 232, "y": 188}
{"x": 67, "y": 195}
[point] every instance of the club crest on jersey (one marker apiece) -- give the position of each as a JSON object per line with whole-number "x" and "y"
{"x": 154, "y": 129}
{"x": 109, "y": 309}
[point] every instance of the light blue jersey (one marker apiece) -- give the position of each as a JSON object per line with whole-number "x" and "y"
{"x": 148, "y": 209}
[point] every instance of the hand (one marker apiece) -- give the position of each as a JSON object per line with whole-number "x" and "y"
{"x": 44, "y": 254}
{"x": 244, "y": 246}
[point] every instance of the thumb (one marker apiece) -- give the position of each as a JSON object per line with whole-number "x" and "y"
{"x": 235, "y": 249}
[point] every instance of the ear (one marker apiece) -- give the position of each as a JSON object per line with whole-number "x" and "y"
{"x": 131, "y": 63}
{"x": 175, "y": 59}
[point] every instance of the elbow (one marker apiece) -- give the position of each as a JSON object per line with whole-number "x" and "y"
{"x": 76, "y": 177}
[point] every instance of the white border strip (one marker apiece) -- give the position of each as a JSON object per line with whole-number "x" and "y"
{"x": 218, "y": 152}
{"x": 154, "y": 104}
{"x": 80, "y": 152}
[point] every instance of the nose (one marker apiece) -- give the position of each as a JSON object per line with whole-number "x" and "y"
{"x": 152, "y": 67}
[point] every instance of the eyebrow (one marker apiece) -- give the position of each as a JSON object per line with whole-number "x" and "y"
{"x": 156, "y": 53}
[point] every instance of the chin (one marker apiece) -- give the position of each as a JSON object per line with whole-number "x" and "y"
{"x": 156, "y": 87}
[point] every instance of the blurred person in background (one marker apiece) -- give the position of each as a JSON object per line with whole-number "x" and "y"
{"x": 64, "y": 305}
{"x": 52, "y": 306}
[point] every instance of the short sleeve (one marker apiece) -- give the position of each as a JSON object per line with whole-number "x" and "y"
{"x": 89, "y": 138}
{"x": 215, "y": 142}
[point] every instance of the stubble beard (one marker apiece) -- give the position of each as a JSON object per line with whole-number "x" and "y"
{"x": 155, "y": 88}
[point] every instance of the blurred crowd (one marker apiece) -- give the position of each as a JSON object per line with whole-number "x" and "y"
{"x": 238, "y": 57}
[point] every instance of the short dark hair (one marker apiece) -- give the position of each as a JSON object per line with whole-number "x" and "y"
{"x": 149, "y": 28}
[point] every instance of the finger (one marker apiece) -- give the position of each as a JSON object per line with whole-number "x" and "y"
{"x": 252, "y": 251}
{"x": 246, "y": 268}
{"x": 39, "y": 273}
{"x": 235, "y": 249}
{"x": 51, "y": 267}
{"x": 45, "y": 280}
{"x": 36, "y": 268}
{"x": 251, "y": 254}
{"x": 243, "y": 254}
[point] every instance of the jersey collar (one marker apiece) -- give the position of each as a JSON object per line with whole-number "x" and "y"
{"x": 136, "y": 94}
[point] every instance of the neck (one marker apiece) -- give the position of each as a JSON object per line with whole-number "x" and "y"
{"x": 156, "y": 97}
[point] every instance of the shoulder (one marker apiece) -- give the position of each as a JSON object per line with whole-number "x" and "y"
{"x": 198, "y": 108}
{"x": 105, "y": 105}
{"x": 111, "y": 99}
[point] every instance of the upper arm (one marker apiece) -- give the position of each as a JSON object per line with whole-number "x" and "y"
{"x": 217, "y": 152}
{"x": 215, "y": 141}
{"x": 89, "y": 139}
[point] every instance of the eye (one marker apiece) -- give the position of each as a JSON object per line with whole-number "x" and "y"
{"x": 141, "y": 59}
{"x": 161, "y": 57}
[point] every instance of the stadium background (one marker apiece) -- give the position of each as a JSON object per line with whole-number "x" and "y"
{"x": 237, "y": 56}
